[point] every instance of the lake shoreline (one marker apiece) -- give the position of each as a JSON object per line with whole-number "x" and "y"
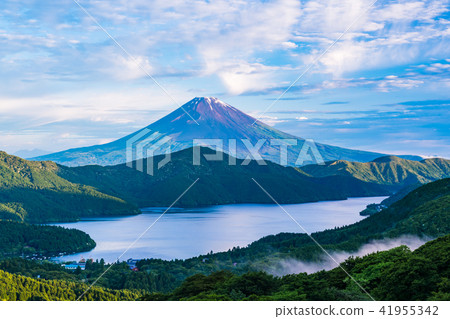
{"x": 184, "y": 233}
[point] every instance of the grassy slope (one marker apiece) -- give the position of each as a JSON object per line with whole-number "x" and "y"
{"x": 32, "y": 191}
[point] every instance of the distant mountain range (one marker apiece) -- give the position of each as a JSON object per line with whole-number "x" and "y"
{"x": 44, "y": 191}
{"x": 208, "y": 118}
{"x": 31, "y": 153}
{"x": 387, "y": 170}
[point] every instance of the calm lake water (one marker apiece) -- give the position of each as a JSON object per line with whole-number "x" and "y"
{"x": 184, "y": 233}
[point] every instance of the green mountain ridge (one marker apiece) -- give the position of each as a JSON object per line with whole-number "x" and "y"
{"x": 47, "y": 192}
{"x": 386, "y": 170}
{"x": 34, "y": 192}
{"x": 219, "y": 182}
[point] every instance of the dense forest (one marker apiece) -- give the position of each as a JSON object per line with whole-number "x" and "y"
{"x": 423, "y": 212}
{"x": 17, "y": 287}
{"x": 219, "y": 182}
{"x": 20, "y": 239}
{"x": 396, "y": 274}
{"x": 33, "y": 192}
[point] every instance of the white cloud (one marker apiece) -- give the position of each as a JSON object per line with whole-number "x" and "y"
{"x": 289, "y": 45}
{"x": 125, "y": 69}
{"x": 245, "y": 77}
{"x": 390, "y": 83}
{"x": 121, "y": 106}
{"x": 226, "y": 35}
{"x": 386, "y": 35}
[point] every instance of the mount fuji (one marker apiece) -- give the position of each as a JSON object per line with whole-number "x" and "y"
{"x": 233, "y": 131}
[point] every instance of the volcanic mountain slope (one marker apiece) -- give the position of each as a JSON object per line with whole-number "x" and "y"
{"x": 206, "y": 118}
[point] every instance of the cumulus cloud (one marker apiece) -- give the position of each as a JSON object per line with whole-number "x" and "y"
{"x": 384, "y": 35}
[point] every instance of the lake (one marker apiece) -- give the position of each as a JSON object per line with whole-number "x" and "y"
{"x": 183, "y": 233}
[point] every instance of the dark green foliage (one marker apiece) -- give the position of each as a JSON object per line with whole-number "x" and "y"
{"x": 219, "y": 182}
{"x": 424, "y": 212}
{"x": 16, "y": 287}
{"x": 397, "y": 274}
{"x": 33, "y": 192}
{"x": 17, "y": 238}
{"x": 45, "y": 191}
{"x": 400, "y": 194}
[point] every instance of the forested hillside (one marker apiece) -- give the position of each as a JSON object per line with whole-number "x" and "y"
{"x": 33, "y": 192}
{"x": 16, "y": 287}
{"x": 388, "y": 170}
{"x": 20, "y": 239}
{"x": 219, "y": 182}
{"x": 45, "y": 192}
{"x": 423, "y": 212}
{"x": 397, "y": 274}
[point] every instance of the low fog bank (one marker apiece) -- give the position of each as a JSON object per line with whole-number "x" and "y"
{"x": 292, "y": 266}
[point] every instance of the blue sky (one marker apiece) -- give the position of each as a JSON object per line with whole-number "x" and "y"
{"x": 385, "y": 86}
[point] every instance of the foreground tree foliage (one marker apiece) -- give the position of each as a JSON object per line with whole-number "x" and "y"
{"x": 397, "y": 274}
{"x": 16, "y": 287}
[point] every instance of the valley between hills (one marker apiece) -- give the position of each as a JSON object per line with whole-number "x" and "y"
{"x": 98, "y": 181}
{"x": 242, "y": 273}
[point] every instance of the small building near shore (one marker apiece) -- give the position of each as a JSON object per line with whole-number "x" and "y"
{"x": 132, "y": 264}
